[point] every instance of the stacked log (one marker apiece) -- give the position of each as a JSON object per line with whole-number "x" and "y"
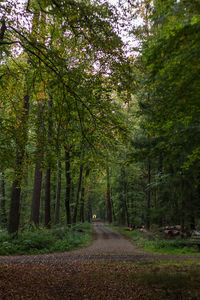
{"x": 175, "y": 231}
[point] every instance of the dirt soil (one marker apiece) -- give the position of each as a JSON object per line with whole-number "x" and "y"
{"x": 104, "y": 270}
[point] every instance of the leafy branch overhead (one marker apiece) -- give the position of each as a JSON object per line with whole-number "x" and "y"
{"x": 99, "y": 112}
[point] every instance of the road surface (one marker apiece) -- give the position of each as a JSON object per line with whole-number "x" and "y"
{"x": 108, "y": 245}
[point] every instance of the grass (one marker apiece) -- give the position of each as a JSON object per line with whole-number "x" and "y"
{"x": 177, "y": 280}
{"x": 153, "y": 242}
{"x": 40, "y": 241}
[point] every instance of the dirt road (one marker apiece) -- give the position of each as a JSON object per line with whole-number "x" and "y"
{"x": 108, "y": 245}
{"x": 108, "y": 269}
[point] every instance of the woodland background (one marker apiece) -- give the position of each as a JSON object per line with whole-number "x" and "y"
{"x": 90, "y": 125}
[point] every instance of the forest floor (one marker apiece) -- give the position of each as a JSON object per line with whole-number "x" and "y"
{"x": 111, "y": 268}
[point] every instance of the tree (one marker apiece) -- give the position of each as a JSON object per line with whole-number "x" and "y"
{"x": 171, "y": 115}
{"x": 14, "y": 213}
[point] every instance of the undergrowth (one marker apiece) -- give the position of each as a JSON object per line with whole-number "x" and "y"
{"x": 174, "y": 281}
{"x": 153, "y": 242}
{"x": 41, "y": 240}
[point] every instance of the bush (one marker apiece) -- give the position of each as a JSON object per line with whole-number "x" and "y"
{"x": 38, "y": 241}
{"x": 154, "y": 242}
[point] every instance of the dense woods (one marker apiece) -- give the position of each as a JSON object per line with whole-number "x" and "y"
{"x": 99, "y": 113}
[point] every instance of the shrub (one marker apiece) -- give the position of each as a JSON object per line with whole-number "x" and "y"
{"x": 41, "y": 240}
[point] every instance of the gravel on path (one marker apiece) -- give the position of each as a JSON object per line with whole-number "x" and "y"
{"x": 108, "y": 245}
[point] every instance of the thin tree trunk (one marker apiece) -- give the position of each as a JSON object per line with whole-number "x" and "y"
{"x": 77, "y": 194}
{"x": 148, "y": 195}
{"x": 48, "y": 198}
{"x": 122, "y": 216}
{"x": 183, "y": 204}
{"x": 14, "y": 214}
{"x": 82, "y": 217}
{"x": 89, "y": 209}
{"x": 124, "y": 198}
{"x": 160, "y": 171}
{"x": 126, "y": 206}
{"x": 68, "y": 185}
{"x": 35, "y": 211}
{"x": 48, "y": 174}
{"x": 58, "y": 192}
{"x": 109, "y": 209}
{"x": 3, "y": 201}
{"x": 82, "y": 207}
{"x": 112, "y": 207}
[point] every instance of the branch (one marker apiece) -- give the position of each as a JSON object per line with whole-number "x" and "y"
{"x": 27, "y": 6}
{"x": 3, "y": 29}
{"x": 7, "y": 43}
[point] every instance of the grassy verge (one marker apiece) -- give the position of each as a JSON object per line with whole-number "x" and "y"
{"x": 39, "y": 241}
{"x": 171, "y": 280}
{"x": 152, "y": 242}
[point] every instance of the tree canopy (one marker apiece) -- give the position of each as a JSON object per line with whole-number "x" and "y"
{"x": 87, "y": 126}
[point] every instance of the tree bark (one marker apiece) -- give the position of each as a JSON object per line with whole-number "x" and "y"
{"x": 89, "y": 209}
{"x": 35, "y": 211}
{"x": 3, "y": 202}
{"x": 112, "y": 207}
{"x": 125, "y": 202}
{"x": 48, "y": 173}
{"x": 58, "y": 192}
{"x": 77, "y": 194}
{"x": 82, "y": 207}
{"x": 3, "y": 29}
{"x": 148, "y": 195}
{"x": 82, "y": 217}
{"x": 48, "y": 198}
{"x": 14, "y": 214}
{"x": 109, "y": 209}
{"x": 125, "y": 212}
{"x": 160, "y": 171}
{"x": 183, "y": 202}
{"x": 68, "y": 186}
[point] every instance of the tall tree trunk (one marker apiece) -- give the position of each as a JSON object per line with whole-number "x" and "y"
{"x": 77, "y": 194}
{"x": 68, "y": 185}
{"x": 35, "y": 211}
{"x": 38, "y": 32}
{"x": 58, "y": 192}
{"x": 148, "y": 195}
{"x": 109, "y": 208}
{"x": 160, "y": 171}
{"x": 124, "y": 198}
{"x": 183, "y": 202}
{"x": 3, "y": 201}
{"x": 125, "y": 203}
{"x": 82, "y": 207}
{"x": 82, "y": 217}
{"x": 48, "y": 198}
{"x": 112, "y": 207}
{"x": 89, "y": 209}
{"x": 14, "y": 214}
{"x": 48, "y": 173}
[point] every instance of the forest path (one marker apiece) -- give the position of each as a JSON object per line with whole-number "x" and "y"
{"x": 108, "y": 245}
{"x": 109, "y": 269}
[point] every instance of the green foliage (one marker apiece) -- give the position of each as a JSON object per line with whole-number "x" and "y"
{"x": 172, "y": 281}
{"x": 172, "y": 111}
{"x": 155, "y": 243}
{"x": 133, "y": 114}
{"x": 39, "y": 241}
